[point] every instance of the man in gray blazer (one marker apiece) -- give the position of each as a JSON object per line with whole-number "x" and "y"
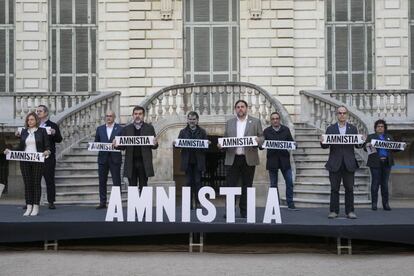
{"x": 242, "y": 161}
{"x": 341, "y": 165}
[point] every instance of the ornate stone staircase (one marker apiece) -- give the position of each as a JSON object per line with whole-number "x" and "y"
{"x": 77, "y": 181}
{"x": 311, "y": 187}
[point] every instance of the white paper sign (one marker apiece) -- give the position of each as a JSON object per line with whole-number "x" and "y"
{"x": 95, "y": 146}
{"x": 134, "y": 140}
{"x": 19, "y": 130}
{"x": 25, "y": 156}
{"x": 281, "y": 145}
{"x": 191, "y": 143}
{"x": 340, "y": 139}
{"x": 235, "y": 142}
{"x": 48, "y": 129}
{"x": 388, "y": 145}
{"x": 371, "y": 149}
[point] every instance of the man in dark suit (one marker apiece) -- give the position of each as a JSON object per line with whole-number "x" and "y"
{"x": 341, "y": 165}
{"x": 108, "y": 161}
{"x": 242, "y": 161}
{"x": 50, "y": 163}
{"x": 279, "y": 159}
{"x": 138, "y": 159}
{"x": 193, "y": 160}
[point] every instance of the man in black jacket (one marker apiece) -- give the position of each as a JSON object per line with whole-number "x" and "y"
{"x": 341, "y": 165}
{"x": 279, "y": 159}
{"x": 193, "y": 160}
{"x": 50, "y": 163}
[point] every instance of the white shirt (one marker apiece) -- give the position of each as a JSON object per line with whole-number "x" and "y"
{"x": 241, "y": 128}
{"x": 342, "y": 130}
{"x": 109, "y": 129}
{"x": 31, "y": 141}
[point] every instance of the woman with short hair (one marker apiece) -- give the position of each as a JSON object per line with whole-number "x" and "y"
{"x": 32, "y": 139}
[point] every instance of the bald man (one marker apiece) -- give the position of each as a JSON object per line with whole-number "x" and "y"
{"x": 108, "y": 161}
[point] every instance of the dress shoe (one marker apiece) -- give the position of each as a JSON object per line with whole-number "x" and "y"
{"x": 52, "y": 206}
{"x": 387, "y": 207}
{"x": 332, "y": 215}
{"x": 351, "y": 215}
{"x": 101, "y": 206}
{"x": 374, "y": 207}
{"x": 292, "y": 207}
{"x": 29, "y": 208}
{"x": 243, "y": 214}
{"x": 35, "y": 210}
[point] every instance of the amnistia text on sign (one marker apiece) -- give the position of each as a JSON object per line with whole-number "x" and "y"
{"x": 379, "y": 144}
{"x": 134, "y": 140}
{"x": 140, "y": 205}
{"x": 95, "y": 146}
{"x": 191, "y": 143}
{"x": 347, "y": 139}
{"x": 232, "y": 142}
{"x": 25, "y": 156}
{"x": 281, "y": 145}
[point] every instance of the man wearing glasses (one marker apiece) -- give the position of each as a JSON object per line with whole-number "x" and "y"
{"x": 50, "y": 163}
{"x": 108, "y": 160}
{"x": 341, "y": 165}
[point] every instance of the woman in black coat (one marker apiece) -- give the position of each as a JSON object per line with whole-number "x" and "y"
{"x": 32, "y": 139}
{"x": 380, "y": 163}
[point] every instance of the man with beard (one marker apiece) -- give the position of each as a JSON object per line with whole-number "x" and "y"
{"x": 138, "y": 159}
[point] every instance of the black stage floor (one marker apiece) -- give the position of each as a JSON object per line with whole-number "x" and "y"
{"x": 77, "y": 222}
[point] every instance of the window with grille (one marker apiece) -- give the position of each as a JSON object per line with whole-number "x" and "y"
{"x": 73, "y": 34}
{"x": 211, "y": 40}
{"x": 6, "y": 46}
{"x": 411, "y": 44}
{"x": 349, "y": 44}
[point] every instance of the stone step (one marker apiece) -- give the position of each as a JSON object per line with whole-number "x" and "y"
{"x": 81, "y": 179}
{"x": 312, "y": 194}
{"x": 311, "y": 151}
{"x": 307, "y": 131}
{"x": 80, "y": 158}
{"x": 305, "y": 202}
{"x": 76, "y": 165}
{"x": 86, "y": 196}
{"x": 307, "y": 144}
{"x": 326, "y": 186}
{"x": 81, "y": 202}
{"x": 324, "y": 179}
{"x": 90, "y": 186}
{"x": 323, "y": 171}
{"x": 69, "y": 171}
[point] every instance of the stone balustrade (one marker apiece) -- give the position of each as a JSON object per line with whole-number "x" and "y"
{"x": 213, "y": 99}
{"x": 56, "y": 102}
{"x": 81, "y": 121}
{"x": 319, "y": 110}
{"x": 388, "y": 104}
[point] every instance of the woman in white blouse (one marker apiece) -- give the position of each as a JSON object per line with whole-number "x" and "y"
{"x": 32, "y": 139}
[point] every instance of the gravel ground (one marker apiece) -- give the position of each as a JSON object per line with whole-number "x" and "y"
{"x": 129, "y": 263}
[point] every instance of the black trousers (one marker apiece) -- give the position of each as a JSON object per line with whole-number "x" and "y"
{"x": 138, "y": 176}
{"x": 32, "y": 176}
{"x": 49, "y": 175}
{"x": 103, "y": 170}
{"x": 4, "y": 173}
{"x": 348, "y": 180}
{"x": 241, "y": 171}
{"x": 380, "y": 178}
{"x": 193, "y": 179}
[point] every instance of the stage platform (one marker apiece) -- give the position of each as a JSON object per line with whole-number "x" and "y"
{"x": 80, "y": 222}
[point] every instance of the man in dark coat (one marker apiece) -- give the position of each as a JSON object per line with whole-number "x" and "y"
{"x": 50, "y": 163}
{"x": 341, "y": 165}
{"x": 279, "y": 159}
{"x": 193, "y": 160}
{"x": 138, "y": 159}
{"x": 107, "y": 160}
